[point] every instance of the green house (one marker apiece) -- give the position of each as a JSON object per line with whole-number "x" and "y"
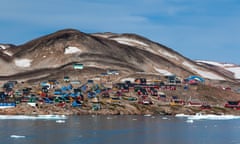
{"x": 78, "y": 66}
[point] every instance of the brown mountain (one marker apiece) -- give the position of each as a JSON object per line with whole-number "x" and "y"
{"x": 129, "y": 53}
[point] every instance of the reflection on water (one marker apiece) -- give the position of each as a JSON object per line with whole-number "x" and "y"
{"x": 120, "y": 130}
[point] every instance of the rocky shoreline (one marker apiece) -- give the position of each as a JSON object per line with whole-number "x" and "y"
{"x": 126, "y": 109}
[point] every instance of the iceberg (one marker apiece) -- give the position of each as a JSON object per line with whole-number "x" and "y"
{"x": 189, "y": 121}
{"x": 60, "y": 121}
{"x": 147, "y": 115}
{"x": 165, "y": 118}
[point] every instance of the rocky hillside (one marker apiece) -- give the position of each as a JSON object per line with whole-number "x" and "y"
{"x": 128, "y": 53}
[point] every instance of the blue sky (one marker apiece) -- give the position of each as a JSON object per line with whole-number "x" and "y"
{"x": 198, "y": 29}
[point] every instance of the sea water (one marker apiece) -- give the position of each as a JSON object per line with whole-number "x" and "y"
{"x": 94, "y": 129}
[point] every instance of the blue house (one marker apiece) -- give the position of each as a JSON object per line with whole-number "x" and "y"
{"x": 196, "y": 78}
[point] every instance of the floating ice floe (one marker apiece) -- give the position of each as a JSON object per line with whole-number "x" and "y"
{"x": 199, "y": 116}
{"x": 17, "y": 136}
{"x": 147, "y": 115}
{"x": 60, "y": 121}
{"x": 38, "y": 117}
{"x": 109, "y": 118}
{"x": 189, "y": 121}
{"x": 181, "y": 115}
{"x": 164, "y": 118}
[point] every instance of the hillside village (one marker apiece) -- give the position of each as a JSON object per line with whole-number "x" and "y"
{"x": 112, "y": 92}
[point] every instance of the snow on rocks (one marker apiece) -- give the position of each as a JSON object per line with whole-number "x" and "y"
{"x": 216, "y": 63}
{"x": 135, "y": 43}
{"x": 236, "y": 71}
{"x": 95, "y": 65}
{"x": 203, "y": 73}
{"x": 72, "y": 50}
{"x": 8, "y": 53}
{"x": 3, "y": 47}
{"x": 23, "y": 62}
{"x": 131, "y": 42}
{"x": 230, "y": 67}
{"x": 167, "y": 54}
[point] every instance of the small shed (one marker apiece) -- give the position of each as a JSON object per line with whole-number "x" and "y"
{"x": 78, "y": 66}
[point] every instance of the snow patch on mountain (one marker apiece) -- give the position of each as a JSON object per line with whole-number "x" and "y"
{"x": 72, "y": 50}
{"x": 8, "y": 53}
{"x": 167, "y": 54}
{"x": 227, "y": 66}
{"x": 216, "y": 63}
{"x": 202, "y": 73}
{"x": 135, "y": 43}
{"x": 236, "y": 71}
{"x": 162, "y": 71}
{"x": 3, "y": 47}
{"x": 128, "y": 41}
{"x": 94, "y": 65}
{"x": 23, "y": 62}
